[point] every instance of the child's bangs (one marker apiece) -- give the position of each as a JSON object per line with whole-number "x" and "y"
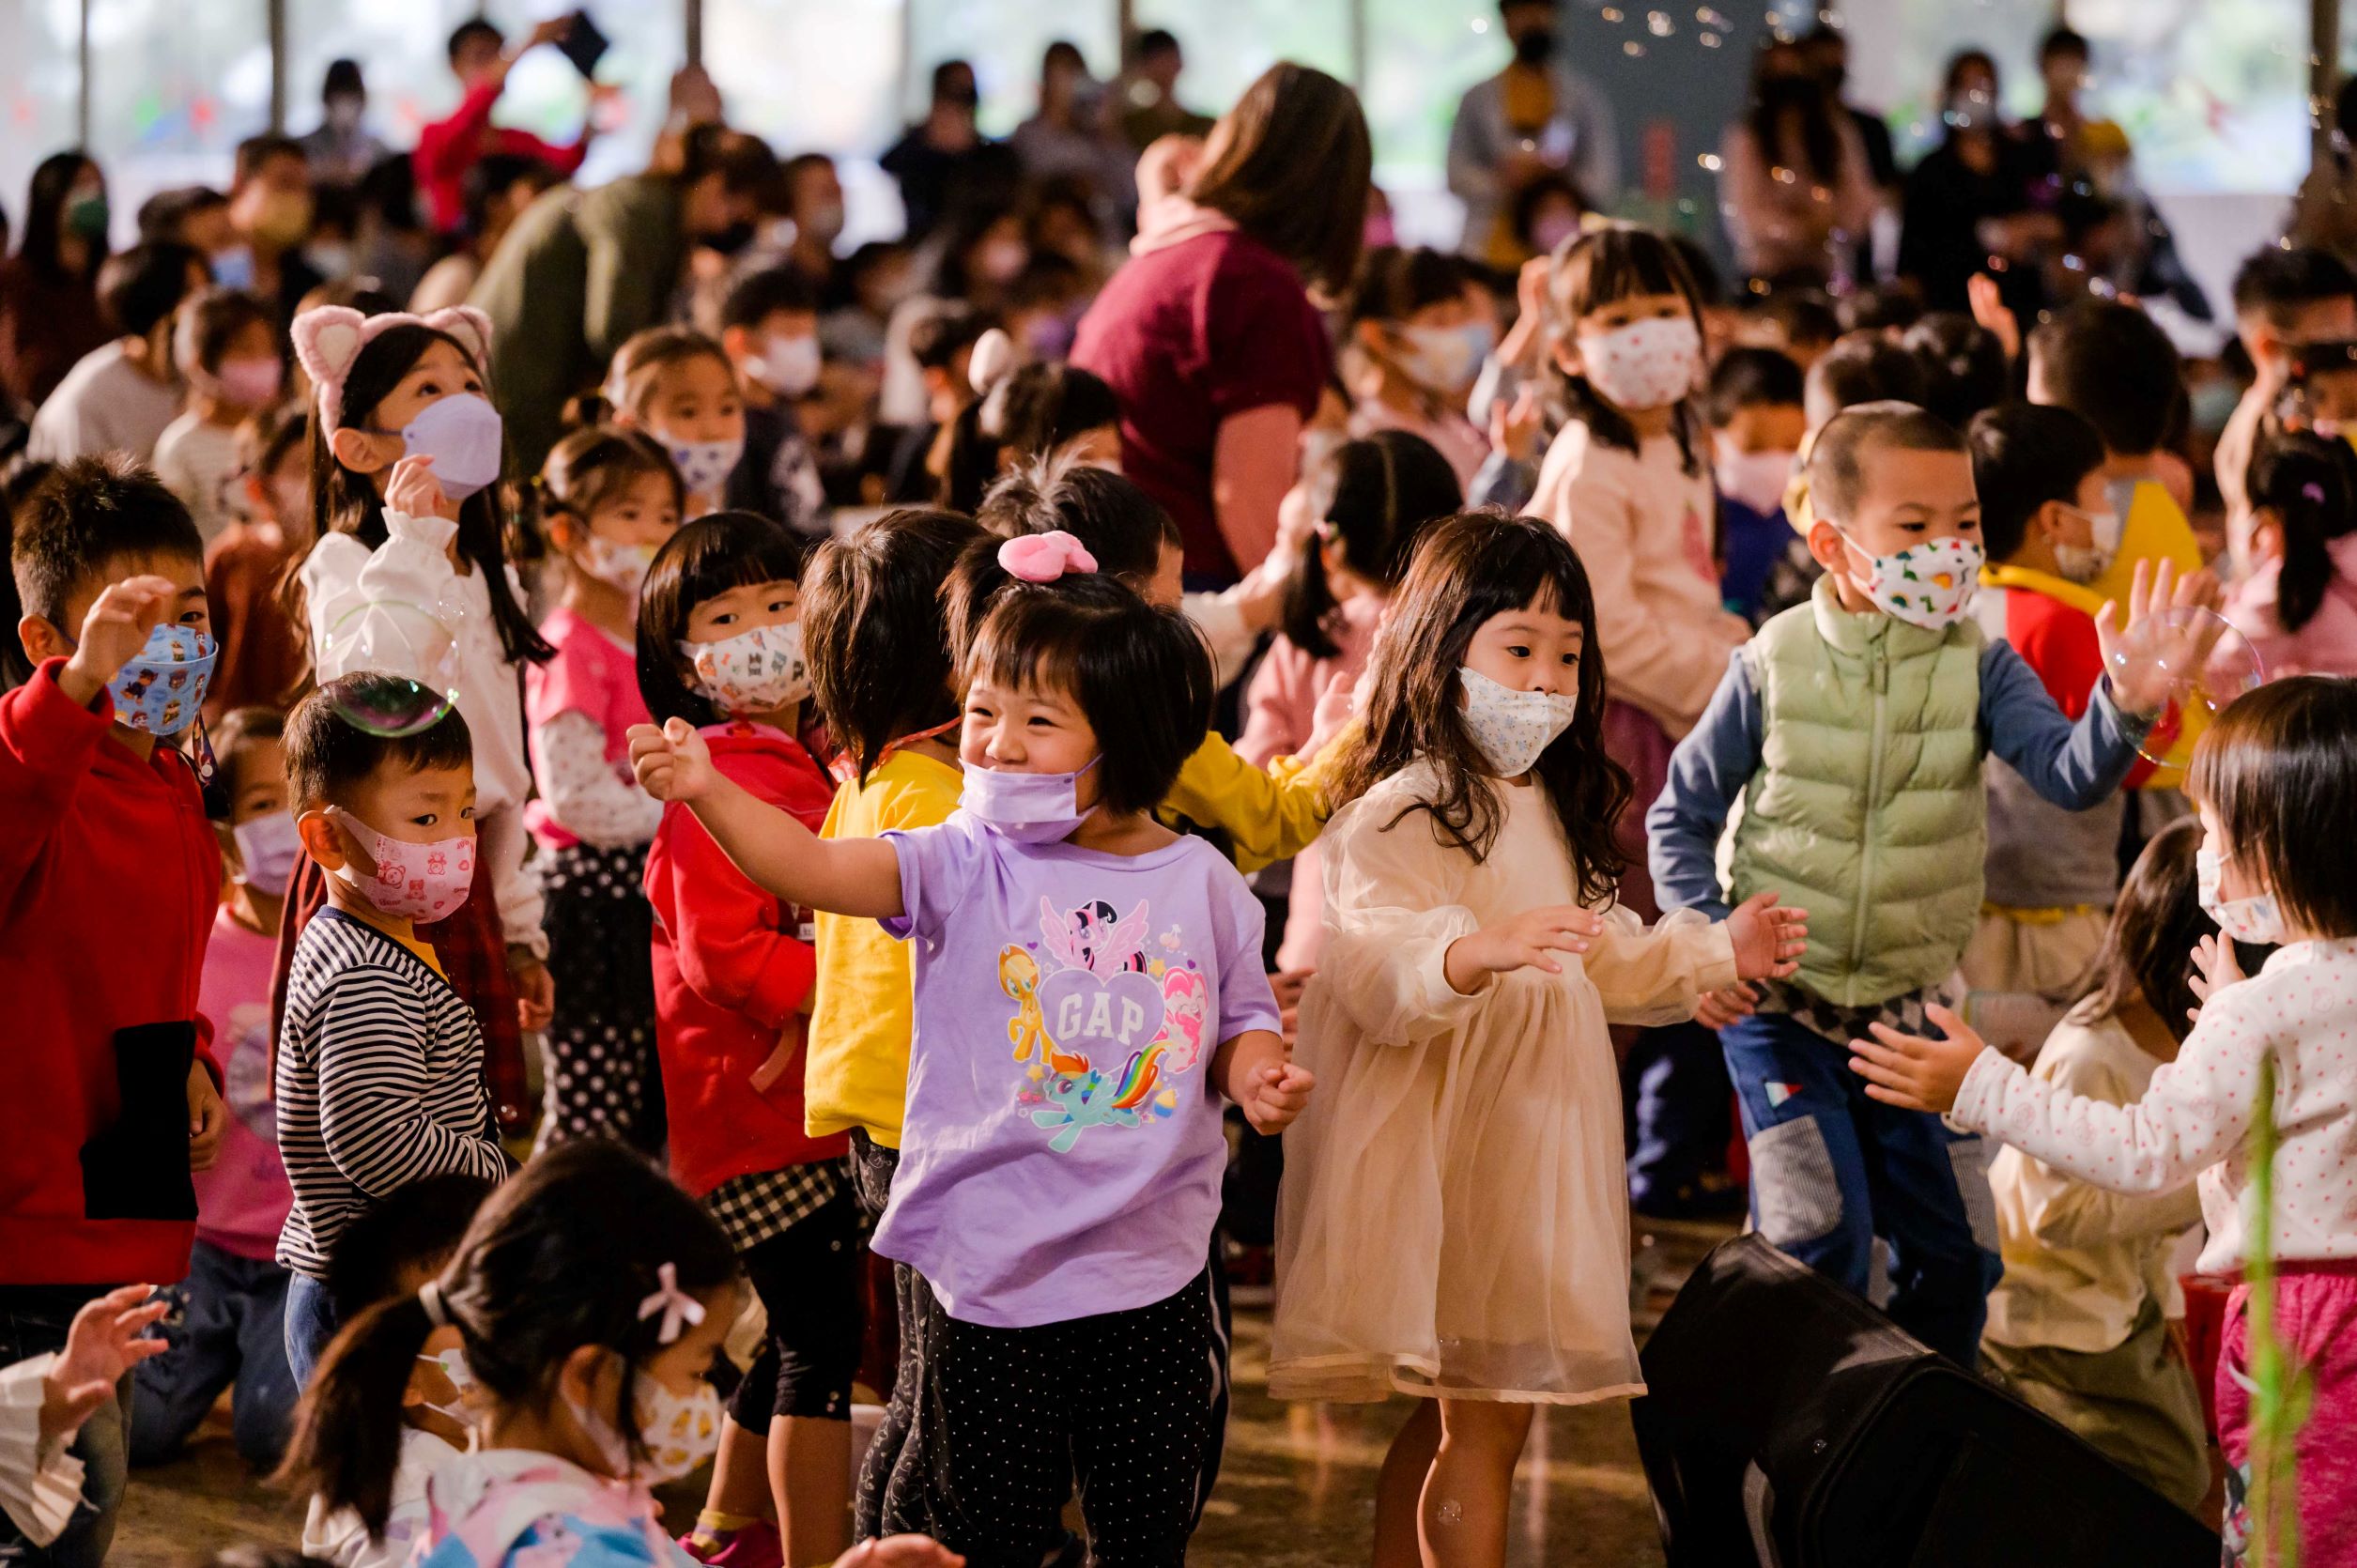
{"x": 1029, "y": 642}
{"x": 1616, "y": 264}
{"x": 730, "y": 549}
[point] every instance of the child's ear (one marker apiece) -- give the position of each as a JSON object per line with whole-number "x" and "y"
{"x": 1565, "y": 351}
{"x": 565, "y": 533}
{"x": 41, "y": 640}
{"x": 321, "y": 840}
{"x": 2047, "y": 520}
{"x": 1825, "y": 547}
{"x": 365, "y": 451}
{"x": 2267, "y": 535}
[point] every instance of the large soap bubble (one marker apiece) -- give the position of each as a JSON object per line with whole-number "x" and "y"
{"x": 2205, "y": 663}
{"x": 415, "y": 647}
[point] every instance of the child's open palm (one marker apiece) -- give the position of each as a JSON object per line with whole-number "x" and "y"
{"x": 672, "y": 763}
{"x": 2215, "y": 967}
{"x": 1529, "y": 940}
{"x": 1914, "y": 1072}
{"x": 1769, "y": 940}
{"x": 2175, "y": 649}
{"x": 104, "y": 1342}
{"x": 116, "y": 627}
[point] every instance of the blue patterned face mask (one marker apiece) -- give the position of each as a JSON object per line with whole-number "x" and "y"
{"x": 158, "y": 690}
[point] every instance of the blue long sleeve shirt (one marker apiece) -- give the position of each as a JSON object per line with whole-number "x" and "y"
{"x": 2073, "y": 765}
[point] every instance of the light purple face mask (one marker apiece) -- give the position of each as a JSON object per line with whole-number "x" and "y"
{"x": 1027, "y": 807}
{"x": 461, "y": 433}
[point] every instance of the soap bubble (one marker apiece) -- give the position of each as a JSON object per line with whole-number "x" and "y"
{"x": 416, "y": 650}
{"x": 2206, "y": 661}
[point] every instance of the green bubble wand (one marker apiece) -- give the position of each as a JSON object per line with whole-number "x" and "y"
{"x": 2282, "y": 1394}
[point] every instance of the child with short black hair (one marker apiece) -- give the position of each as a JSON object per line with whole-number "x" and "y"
{"x": 1757, "y": 424}
{"x": 1884, "y": 661}
{"x": 1861, "y": 367}
{"x": 769, "y": 328}
{"x": 1022, "y": 413}
{"x": 380, "y": 1077}
{"x": 384, "y": 1254}
{"x": 226, "y": 348}
{"x": 112, "y": 1098}
{"x": 1965, "y": 368}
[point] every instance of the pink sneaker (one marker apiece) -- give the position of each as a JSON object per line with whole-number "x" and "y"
{"x": 756, "y": 1546}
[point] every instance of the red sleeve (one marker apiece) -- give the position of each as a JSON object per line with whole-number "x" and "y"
{"x": 1263, "y": 339}
{"x": 447, "y": 148}
{"x": 2059, "y": 645}
{"x": 46, "y": 746}
{"x": 726, "y": 931}
{"x": 565, "y": 161}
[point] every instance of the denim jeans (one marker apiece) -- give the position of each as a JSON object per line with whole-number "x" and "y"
{"x": 309, "y": 1324}
{"x": 228, "y": 1327}
{"x": 1832, "y": 1170}
{"x": 33, "y": 1321}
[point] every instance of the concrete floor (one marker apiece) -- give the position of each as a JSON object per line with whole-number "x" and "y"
{"x": 1298, "y": 1486}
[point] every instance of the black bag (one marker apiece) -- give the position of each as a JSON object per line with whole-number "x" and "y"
{"x": 1788, "y": 1424}
{"x": 137, "y": 1169}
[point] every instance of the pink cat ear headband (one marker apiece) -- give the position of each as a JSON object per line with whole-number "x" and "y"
{"x": 327, "y": 342}
{"x": 1044, "y": 557}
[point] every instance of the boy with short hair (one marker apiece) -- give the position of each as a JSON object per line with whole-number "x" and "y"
{"x": 2284, "y": 299}
{"x": 1853, "y": 728}
{"x": 2049, "y": 528}
{"x": 380, "y": 1077}
{"x": 228, "y": 1324}
{"x": 1757, "y": 424}
{"x": 108, "y": 880}
{"x": 769, "y": 328}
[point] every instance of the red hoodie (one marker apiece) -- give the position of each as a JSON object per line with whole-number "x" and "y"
{"x": 733, "y": 966}
{"x": 109, "y": 876}
{"x": 447, "y": 150}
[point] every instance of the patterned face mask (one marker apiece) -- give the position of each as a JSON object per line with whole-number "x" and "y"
{"x": 1929, "y": 585}
{"x": 1646, "y": 364}
{"x": 1513, "y": 727}
{"x": 2256, "y": 921}
{"x": 753, "y": 672}
{"x": 705, "y": 465}
{"x": 413, "y": 881}
{"x": 158, "y": 688}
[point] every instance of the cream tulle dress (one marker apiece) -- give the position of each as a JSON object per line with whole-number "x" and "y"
{"x": 1455, "y": 1215}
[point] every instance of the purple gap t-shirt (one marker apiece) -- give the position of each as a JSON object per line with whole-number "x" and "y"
{"x": 1062, "y": 1148}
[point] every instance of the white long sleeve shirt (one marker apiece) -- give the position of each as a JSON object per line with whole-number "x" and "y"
{"x": 403, "y": 609}
{"x": 2196, "y": 1116}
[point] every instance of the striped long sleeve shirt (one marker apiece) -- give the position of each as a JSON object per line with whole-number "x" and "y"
{"x": 379, "y": 1083}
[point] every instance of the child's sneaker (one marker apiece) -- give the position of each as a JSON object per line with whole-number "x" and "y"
{"x": 724, "y": 1541}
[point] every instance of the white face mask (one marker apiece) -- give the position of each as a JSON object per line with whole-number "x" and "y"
{"x": 1443, "y": 358}
{"x": 622, "y": 566}
{"x": 461, "y": 1375}
{"x": 2256, "y": 920}
{"x": 1929, "y": 585}
{"x": 1646, "y": 364}
{"x": 1757, "y": 479}
{"x": 1513, "y": 727}
{"x": 678, "y": 1431}
{"x": 752, "y": 673}
{"x": 2084, "y": 563}
{"x": 268, "y": 849}
{"x": 705, "y": 465}
{"x": 788, "y": 367}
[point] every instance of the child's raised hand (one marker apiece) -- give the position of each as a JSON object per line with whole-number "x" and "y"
{"x": 1914, "y": 1072}
{"x": 1720, "y": 1009}
{"x": 1525, "y": 941}
{"x": 2215, "y": 967}
{"x": 1274, "y": 1095}
{"x": 1989, "y": 312}
{"x": 117, "y": 626}
{"x": 1515, "y": 427}
{"x": 412, "y": 490}
{"x": 2146, "y": 685}
{"x": 1768, "y": 941}
{"x": 104, "y": 1344}
{"x": 672, "y": 763}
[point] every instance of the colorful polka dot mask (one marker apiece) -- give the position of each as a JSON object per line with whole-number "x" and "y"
{"x": 1929, "y": 585}
{"x": 1646, "y": 364}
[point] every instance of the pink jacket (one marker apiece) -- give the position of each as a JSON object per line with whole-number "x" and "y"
{"x": 2327, "y": 645}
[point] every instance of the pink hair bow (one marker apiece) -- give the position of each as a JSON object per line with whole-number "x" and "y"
{"x": 1044, "y": 557}
{"x": 327, "y": 342}
{"x": 676, "y": 1304}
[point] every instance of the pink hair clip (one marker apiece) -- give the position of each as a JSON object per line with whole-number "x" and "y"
{"x": 1044, "y": 557}
{"x": 676, "y": 1304}
{"x": 327, "y": 342}
{"x": 2314, "y": 491}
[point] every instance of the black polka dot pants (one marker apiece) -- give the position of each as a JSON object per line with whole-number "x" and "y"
{"x": 602, "y": 1079}
{"x": 1006, "y": 1423}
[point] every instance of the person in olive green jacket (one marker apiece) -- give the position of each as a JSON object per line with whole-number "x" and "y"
{"x": 580, "y": 270}
{"x": 1852, "y": 729}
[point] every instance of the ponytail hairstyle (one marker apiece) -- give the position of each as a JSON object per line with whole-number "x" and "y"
{"x": 1019, "y": 413}
{"x": 564, "y": 1255}
{"x": 1469, "y": 568}
{"x": 1124, "y": 528}
{"x": 703, "y": 560}
{"x": 2309, "y": 485}
{"x": 875, "y": 634}
{"x": 343, "y": 502}
{"x": 590, "y": 468}
{"x": 632, "y": 378}
{"x": 1371, "y": 499}
{"x": 1600, "y": 268}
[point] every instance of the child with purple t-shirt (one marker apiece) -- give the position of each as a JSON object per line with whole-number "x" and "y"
{"x": 1088, "y": 987}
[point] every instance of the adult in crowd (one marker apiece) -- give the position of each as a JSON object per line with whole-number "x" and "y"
{"x": 1068, "y": 141}
{"x": 197, "y": 216}
{"x": 1794, "y": 181}
{"x": 814, "y": 201}
{"x": 446, "y": 150}
{"x": 343, "y": 149}
{"x": 1209, "y": 337}
{"x": 1828, "y": 52}
{"x": 271, "y": 210}
{"x": 581, "y": 271}
{"x": 1969, "y": 199}
{"x": 2078, "y": 145}
{"x": 1150, "y": 109}
{"x": 120, "y": 395}
{"x": 499, "y": 189}
{"x": 944, "y": 160}
{"x": 1535, "y": 118}
{"x": 49, "y": 296}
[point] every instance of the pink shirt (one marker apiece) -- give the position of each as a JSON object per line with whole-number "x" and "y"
{"x": 242, "y": 1200}
{"x": 1452, "y": 434}
{"x": 2327, "y": 645}
{"x": 595, "y": 676}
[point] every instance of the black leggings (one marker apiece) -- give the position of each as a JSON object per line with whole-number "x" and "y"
{"x": 807, "y": 1279}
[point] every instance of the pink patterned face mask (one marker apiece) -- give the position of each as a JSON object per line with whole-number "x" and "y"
{"x": 413, "y": 881}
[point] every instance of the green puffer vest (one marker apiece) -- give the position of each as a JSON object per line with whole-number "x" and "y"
{"x": 1868, "y": 809}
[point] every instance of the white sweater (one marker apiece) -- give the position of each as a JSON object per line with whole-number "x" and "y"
{"x": 2196, "y": 1116}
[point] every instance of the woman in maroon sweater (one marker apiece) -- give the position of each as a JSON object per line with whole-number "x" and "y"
{"x": 1209, "y": 336}
{"x": 49, "y": 297}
